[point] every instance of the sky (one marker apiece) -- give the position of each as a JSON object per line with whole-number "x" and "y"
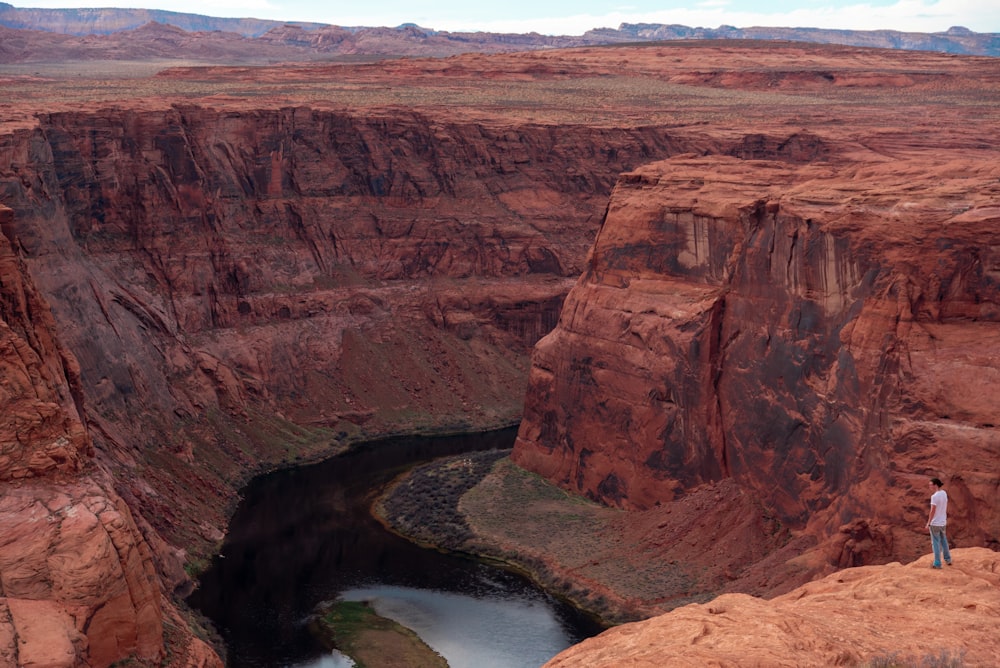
{"x": 574, "y": 17}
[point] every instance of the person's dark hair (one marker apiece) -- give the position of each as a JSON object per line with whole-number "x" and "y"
{"x": 937, "y": 482}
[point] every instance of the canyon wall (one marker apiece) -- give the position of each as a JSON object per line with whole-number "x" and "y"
{"x": 77, "y": 576}
{"x": 235, "y": 282}
{"x": 235, "y": 291}
{"x": 823, "y": 334}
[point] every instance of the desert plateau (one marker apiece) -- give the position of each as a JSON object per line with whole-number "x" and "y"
{"x": 740, "y": 297}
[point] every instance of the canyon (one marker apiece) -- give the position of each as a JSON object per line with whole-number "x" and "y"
{"x": 769, "y": 266}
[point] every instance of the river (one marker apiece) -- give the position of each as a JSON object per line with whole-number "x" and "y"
{"x": 305, "y": 535}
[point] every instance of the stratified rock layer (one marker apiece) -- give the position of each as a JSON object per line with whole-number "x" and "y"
{"x": 823, "y": 334}
{"x": 76, "y": 575}
{"x": 78, "y": 578}
{"x": 42, "y": 432}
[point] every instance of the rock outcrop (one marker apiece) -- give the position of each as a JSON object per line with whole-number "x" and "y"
{"x": 43, "y": 431}
{"x": 318, "y": 274}
{"x": 874, "y": 615}
{"x": 823, "y": 334}
{"x": 246, "y": 289}
{"x": 77, "y": 577}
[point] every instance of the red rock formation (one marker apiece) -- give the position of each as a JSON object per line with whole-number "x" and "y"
{"x": 340, "y": 271}
{"x": 874, "y": 615}
{"x": 78, "y": 578}
{"x": 76, "y": 575}
{"x": 822, "y": 334}
{"x": 42, "y": 432}
{"x": 245, "y": 288}
{"x": 286, "y": 229}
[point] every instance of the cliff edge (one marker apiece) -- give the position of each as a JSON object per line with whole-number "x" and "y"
{"x": 258, "y": 267}
{"x": 883, "y": 615}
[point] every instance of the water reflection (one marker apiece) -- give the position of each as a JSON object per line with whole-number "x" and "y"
{"x": 333, "y": 660}
{"x": 305, "y": 535}
{"x": 464, "y": 629}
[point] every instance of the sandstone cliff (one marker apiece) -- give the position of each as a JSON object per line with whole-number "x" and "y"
{"x": 77, "y": 577}
{"x": 822, "y": 334}
{"x": 316, "y": 275}
{"x": 245, "y": 290}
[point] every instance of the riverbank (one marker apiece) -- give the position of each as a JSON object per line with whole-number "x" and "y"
{"x": 306, "y": 536}
{"x": 618, "y": 565}
{"x": 283, "y": 449}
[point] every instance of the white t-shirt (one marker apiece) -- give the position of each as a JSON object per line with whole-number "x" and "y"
{"x": 940, "y": 502}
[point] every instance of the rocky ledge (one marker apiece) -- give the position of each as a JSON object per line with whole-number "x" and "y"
{"x": 890, "y": 615}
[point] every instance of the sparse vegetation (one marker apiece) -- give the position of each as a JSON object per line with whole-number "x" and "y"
{"x": 195, "y": 566}
{"x": 424, "y": 505}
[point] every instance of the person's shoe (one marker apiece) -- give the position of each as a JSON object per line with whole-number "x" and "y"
{"x": 948, "y": 562}
{"x": 935, "y": 565}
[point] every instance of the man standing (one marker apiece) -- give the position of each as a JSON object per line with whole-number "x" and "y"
{"x": 936, "y": 521}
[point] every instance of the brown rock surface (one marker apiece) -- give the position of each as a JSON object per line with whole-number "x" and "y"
{"x": 76, "y": 575}
{"x": 908, "y": 613}
{"x": 40, "y": 391}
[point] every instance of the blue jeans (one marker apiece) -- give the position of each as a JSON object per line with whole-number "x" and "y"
{"x": 939, "y": 543}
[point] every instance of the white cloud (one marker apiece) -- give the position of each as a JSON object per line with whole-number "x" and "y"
{"x": 239, "y": 8}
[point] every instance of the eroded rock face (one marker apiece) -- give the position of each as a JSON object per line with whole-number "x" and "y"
{"x": 42, "y": 432}
{"x": 78, "y": 579}
{"x": 256, "y": 268}
{"x": 77, "y": 582}
{"x": 820, "y": 333}
{"x": 317, "y": 274}
{"x": 245, "y": 288}
{"x": 287, "y": 228}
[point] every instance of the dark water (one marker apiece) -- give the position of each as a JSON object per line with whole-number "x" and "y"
{"x": 305, "y": 535}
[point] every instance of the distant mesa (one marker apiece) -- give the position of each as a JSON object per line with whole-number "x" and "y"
{"x": 414, "y": 40}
